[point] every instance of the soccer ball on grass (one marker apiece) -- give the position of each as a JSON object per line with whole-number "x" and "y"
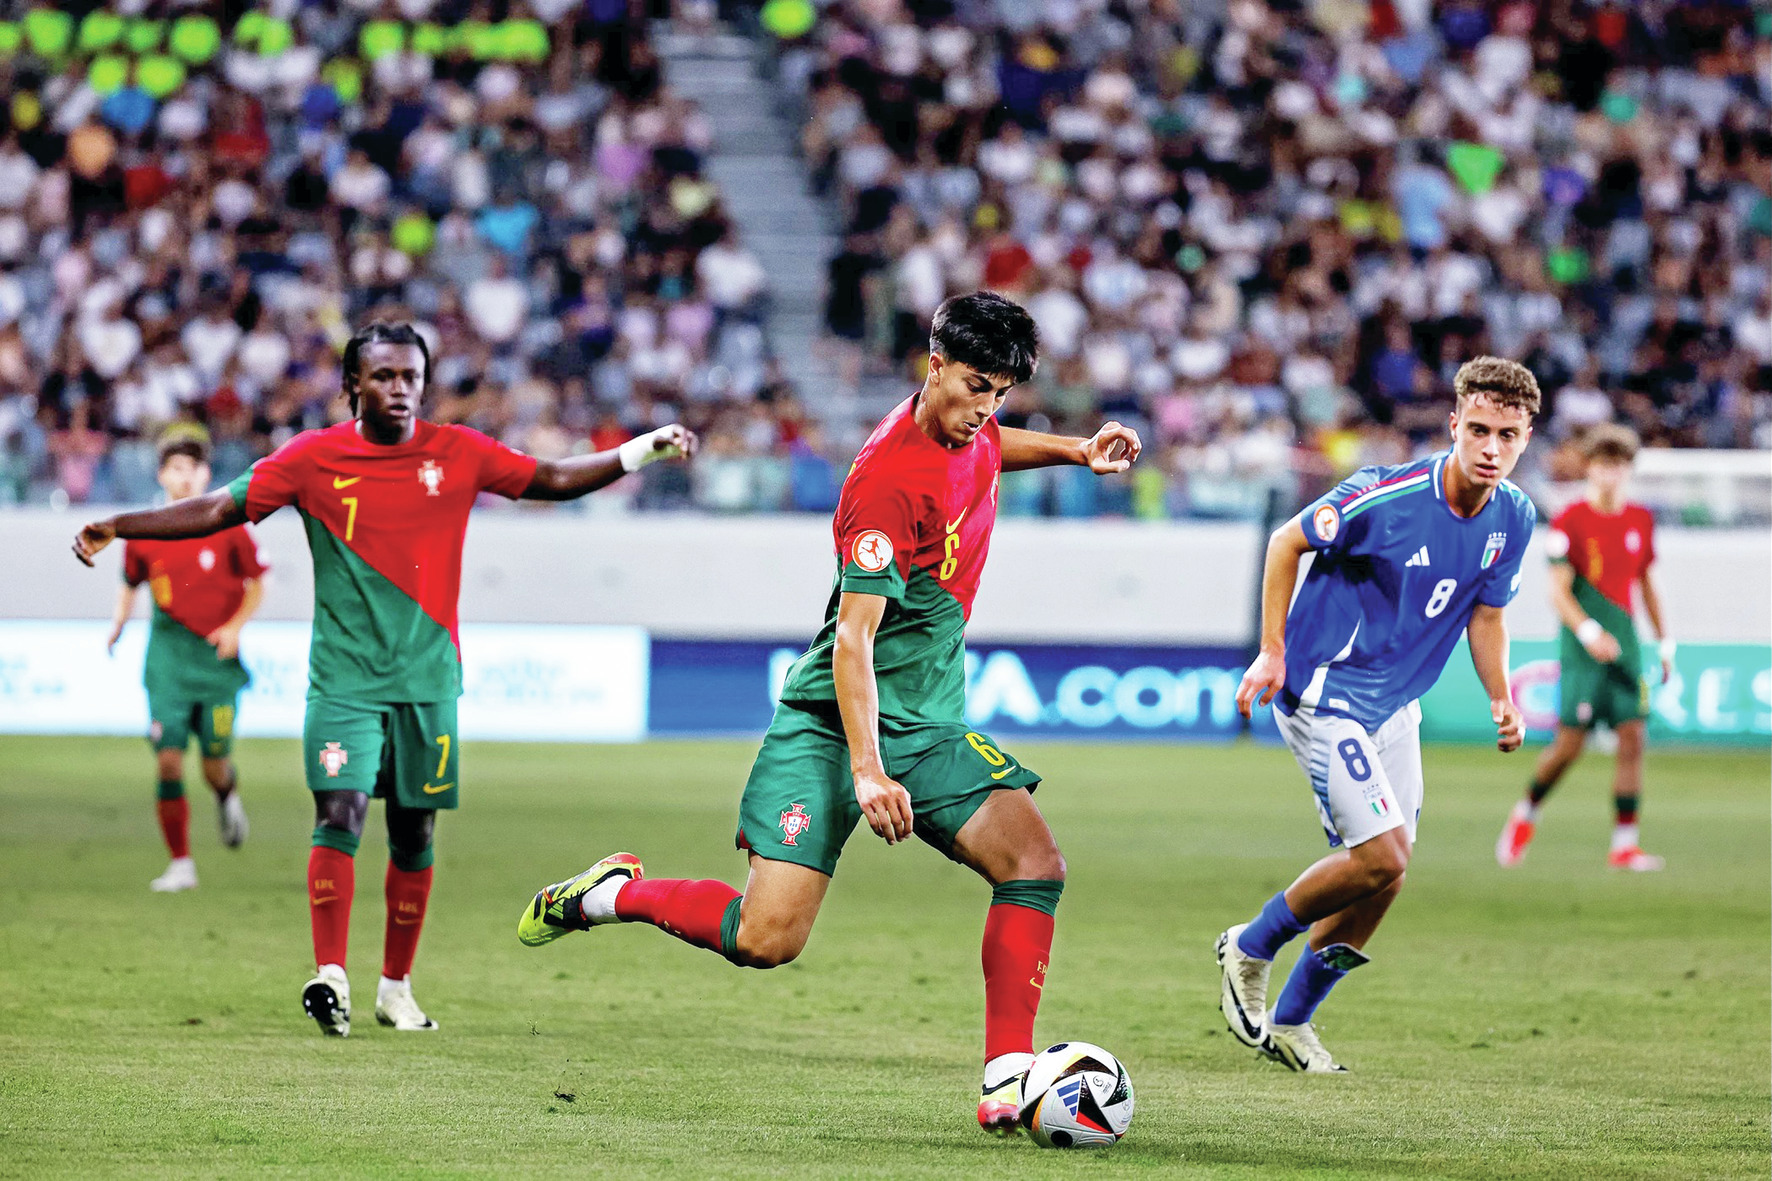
{"x": 1076, "y": 1096}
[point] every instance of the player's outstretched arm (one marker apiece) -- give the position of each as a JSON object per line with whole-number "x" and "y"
{"x": 1488, "y": 638}
{"x": 1111, "y": 449}
{"x": 580, "y": 475}
{"x": 197, "y": 516}
{"x": 1279, "y": 575}
{"x": 883, "y": 800}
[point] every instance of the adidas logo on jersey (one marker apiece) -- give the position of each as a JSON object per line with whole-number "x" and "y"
{"x": 1420, "y": 558}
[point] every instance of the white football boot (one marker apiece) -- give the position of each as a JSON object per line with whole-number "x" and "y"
{"x": 1299, "y": 1048}
{"x": 231, "y": 817}
{"x": 181, "y": 874}
{"x": 327, "y": 999}
{"x": 394, "y": 1006}
{"x": 1243, "y": 989}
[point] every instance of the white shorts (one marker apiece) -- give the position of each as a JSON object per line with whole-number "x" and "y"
{"x": 1366, "y": 784}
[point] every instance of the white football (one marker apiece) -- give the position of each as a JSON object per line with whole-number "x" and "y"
{"x": 1076, "y": 1096}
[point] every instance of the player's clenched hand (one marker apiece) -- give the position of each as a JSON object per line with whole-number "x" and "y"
{"x": 885, "y": 803}
{"x": 1510, "y": 724}
{"x": 673, "y": 442}
{"x": 1266, "y": 677}
{"x": 226, "y": 641}
{"x": 1112, "y": 449}
{"x": 1604, "y": 648}
{"x": 92, "y": 539}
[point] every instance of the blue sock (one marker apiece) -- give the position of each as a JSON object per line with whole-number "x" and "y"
{"x": 1315, "y": 973}
{"x": 1270, "y": 930}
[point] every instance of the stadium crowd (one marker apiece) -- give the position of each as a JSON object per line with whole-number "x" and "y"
{"x": 1264, "y": 232}
{"x": 1268, "y": 232}
{"x": 194, "y": 210}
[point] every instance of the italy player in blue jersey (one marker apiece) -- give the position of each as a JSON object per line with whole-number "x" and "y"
{"x": 1407, "y": 559}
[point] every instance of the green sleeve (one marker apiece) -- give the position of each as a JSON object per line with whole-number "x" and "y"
{"x": 887, "y": 583}
{"x": 237, "y": 488}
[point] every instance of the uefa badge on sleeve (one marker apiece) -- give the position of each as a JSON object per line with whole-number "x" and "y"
{"x": 1327, "y": 522}
{"x": 872, "y": 551}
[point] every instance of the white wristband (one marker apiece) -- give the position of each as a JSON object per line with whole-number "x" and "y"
{"x": 1668, "y": 647}
{"x": 1589, "y": 631}
{"x": 638, "y": 452}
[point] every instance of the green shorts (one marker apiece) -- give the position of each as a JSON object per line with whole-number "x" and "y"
{"x": 1593, "y": 694}
{"x": 402, "y": 752}
{"x": 174, "y": 717}
{"x": 799, "y": 803}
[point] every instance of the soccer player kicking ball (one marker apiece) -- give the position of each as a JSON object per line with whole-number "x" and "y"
{"x": 205, "y": 589}
{"x": 1406, "y": 558}
{"x": 1600, "y": 548}
{"x": 384, "y": 498}
{"x": 870, "y": 720}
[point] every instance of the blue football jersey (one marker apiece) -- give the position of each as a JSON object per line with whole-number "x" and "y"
{"x": 1395, "y": 578}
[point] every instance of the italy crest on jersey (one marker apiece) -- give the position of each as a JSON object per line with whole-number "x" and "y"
{"x": 1492, "y": 551}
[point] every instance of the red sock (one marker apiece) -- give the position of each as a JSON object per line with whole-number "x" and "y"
{"x": 407, "y": 892}
{"x": 1017, "y": 946}
{"x": 332, "y": 880}
{"x": 693, "y": 911}
{"x": 175, "y": 825}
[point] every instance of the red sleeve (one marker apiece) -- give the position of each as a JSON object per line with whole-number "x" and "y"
{"x": 275, "y": 480}
{"x": 135, "y": 566}
{"x": 1556, "y": 542}
{"x": 502, "y": 469}
{"x": 249, "y": 559}
{"x": 1648, "y": 538}
{"x": 876, "y": 529}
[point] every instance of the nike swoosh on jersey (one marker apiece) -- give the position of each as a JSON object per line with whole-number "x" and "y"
{"x": 955, "y": 523}
{"x": 441, "y": 787}
{"x": 341, "y": 482}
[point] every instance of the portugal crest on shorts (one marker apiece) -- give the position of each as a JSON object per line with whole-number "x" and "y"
{"x": 794, "y": 822}
{"x": 1492, "y": 550}
{"x": 333, "y": 758}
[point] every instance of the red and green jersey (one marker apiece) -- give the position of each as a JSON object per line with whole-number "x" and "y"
{"x": 913, "y": 525}
{"x": 197, "y": 584}
{"x": 1609, "y": 553}
{"x": 385, "y": 525}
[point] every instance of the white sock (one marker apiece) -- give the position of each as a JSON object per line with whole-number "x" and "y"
{"x": 1004, "y": 1067}
{"x": 1624, "y": 836}
{"x": 597, "y": 904}
{"x": 324, "y": 969}
{"x": 1526, "y": 810}
{"x": 388, "y": 982}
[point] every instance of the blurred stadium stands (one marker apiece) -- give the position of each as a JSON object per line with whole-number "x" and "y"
{"x": 1264, "y": 232}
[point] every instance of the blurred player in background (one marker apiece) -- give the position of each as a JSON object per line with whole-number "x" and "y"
{"x": 1407, "y": 559}
{"x": 1601, "y": 549}
{"x": 870, "y": 723}
{"x": 384, "y": 498}
{"x": 204, "y": 591}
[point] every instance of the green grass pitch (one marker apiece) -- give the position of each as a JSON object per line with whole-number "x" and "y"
{"x": 1558, "y": 1020}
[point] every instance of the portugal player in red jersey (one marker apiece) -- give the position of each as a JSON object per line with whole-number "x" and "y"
{"x": 1601, "y": 549}
{"x": 384, "y": 498}
{"x": 871, "y": 720}
{"x": 204, "y": 590}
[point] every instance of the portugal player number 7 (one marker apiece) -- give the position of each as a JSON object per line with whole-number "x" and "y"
{"x": 385, "y": 667}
